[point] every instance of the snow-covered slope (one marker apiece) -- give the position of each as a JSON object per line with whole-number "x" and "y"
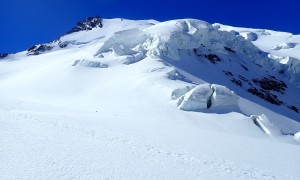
{"x": 282, "y": 47}
{"x": 124, "y": 99}
{"x": 274, "y": 42}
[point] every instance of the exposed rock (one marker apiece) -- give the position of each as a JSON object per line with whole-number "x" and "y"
{"x": 229, "y": 49}
{"x": 3, "y": 55}
{"x": 271, "y": 84}
{"x": 38, "y": 49}
{"x": 244, "y": 67}
{"x": 243, "y": 78}
{"x": 237, "y": 82}
{"x": 258, "y": 65}
{"x": 294, "y": 108}
{"x": 87, "y": 24}
{"x": 212, "y": 58}
{"x": 228, "y": 73}
{"x": 62, "y": 44}
{"x": 265, "y": 95}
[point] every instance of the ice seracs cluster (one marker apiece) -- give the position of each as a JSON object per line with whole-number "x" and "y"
{"x": 204, "y": 96}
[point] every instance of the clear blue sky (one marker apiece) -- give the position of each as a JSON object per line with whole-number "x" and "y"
{"x": 28, "y": 22}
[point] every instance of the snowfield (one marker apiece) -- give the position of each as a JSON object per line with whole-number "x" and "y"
{"x": 181, "y": 99}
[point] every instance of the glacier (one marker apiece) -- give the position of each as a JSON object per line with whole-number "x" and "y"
{"x": 142, "y": 99}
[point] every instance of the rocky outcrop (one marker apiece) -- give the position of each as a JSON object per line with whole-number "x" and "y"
{"x": 62, "y": 44}
{"x": 266, "y": 95}
{"x": 38, "y": 49}
{"x": 87, "y": 24}
{"x": 271, "y": 84}
{"x": 3, "y": 55}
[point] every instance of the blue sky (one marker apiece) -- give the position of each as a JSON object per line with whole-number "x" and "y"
{"x": 26, "y": 23}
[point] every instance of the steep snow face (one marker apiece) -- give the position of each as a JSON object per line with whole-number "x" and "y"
{"x": 138, "y": 99}
{"x": 196, "y": 40}
{"x": 279, "y": 45}
{"x": 199, "y": 35}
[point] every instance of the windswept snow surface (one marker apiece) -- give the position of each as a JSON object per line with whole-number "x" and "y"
{"x": 105, "y": 107}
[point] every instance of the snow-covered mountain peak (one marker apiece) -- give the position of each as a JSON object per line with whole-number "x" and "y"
{"x": 87, "y": 24}
{"x": 185, "y": 44}
{"x": 209, "y": 100}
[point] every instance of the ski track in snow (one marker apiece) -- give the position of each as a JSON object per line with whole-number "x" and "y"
{"x": 30, "y": 131}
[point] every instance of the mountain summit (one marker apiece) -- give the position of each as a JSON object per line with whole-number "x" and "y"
{"x": 87, "y": 24}
{"x": 118, "y": 98}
